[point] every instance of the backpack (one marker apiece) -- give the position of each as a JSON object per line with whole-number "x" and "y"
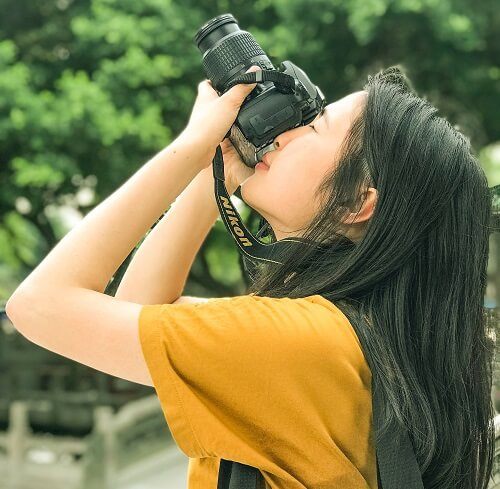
{"x": 397, "y": 466}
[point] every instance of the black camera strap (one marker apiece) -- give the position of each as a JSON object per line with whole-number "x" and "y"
{"x": 283, "y": 82}
{"x": 252, "y": 249}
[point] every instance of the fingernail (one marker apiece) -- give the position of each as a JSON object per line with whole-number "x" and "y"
{"x": 253, "y": 68}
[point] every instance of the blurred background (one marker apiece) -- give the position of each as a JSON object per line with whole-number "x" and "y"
{"x": 89, "y": 91}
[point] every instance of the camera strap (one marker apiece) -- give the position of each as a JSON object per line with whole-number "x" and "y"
{"x": 252, "y": 249}
{"x": 283, "y": 82}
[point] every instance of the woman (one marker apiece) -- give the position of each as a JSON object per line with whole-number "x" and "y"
{"x": 277, "y": 379}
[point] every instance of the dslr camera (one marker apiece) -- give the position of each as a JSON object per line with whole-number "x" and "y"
{"x": 283, "y": 98}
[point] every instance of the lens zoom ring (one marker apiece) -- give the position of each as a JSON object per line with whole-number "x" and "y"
{"x": 228, "y": 54}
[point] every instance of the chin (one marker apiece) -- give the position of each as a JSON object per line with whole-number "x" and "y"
{"x": 246, "y": 190}
{"x": 248, "y": 198}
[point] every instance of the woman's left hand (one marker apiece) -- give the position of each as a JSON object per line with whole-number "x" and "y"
{"x": 212, "y": 116}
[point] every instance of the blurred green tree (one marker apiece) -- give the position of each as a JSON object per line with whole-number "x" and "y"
{"x": 90, "y": 89}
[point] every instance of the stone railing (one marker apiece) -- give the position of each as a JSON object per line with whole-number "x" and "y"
{"x": 118, "y": 441}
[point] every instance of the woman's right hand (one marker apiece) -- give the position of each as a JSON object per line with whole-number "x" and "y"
{"x": 235, "y": 171}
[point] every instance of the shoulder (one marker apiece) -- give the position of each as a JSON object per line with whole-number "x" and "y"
{"x": 313, "y": 315}
{"x": 338, "y": 333}
{"x": 318, "y": 326}
{"x": 310, "y": 323}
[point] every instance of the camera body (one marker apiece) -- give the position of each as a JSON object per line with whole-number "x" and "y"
{"x": 269, "y": 110}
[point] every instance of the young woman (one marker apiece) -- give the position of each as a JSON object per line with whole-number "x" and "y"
{"x": 277, "y": 379}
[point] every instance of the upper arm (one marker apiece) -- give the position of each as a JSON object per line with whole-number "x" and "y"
{"x": 89, "y": 327}
{"x": 92, "y": 328}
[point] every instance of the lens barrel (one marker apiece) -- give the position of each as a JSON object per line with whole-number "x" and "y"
{"x": 228, "y": 51}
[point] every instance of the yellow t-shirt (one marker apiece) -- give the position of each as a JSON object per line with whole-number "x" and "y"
{"x": 276, "y": 383}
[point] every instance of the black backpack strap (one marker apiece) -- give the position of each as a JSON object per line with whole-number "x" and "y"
{"x": 225, "y": 469}
{"x": 233, "y": 475}
{"x": 395, "y": 458}
{"x": 396, "y": 463}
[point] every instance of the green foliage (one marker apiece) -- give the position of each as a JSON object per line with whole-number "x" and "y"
{"x": 96, "y": 87}
{"x": 490, "y": 161}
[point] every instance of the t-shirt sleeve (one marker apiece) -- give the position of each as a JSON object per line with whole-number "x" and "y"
{"x": 226, "y": 370}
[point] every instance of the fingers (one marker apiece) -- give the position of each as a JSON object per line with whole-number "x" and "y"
{"x": 233, "y": 96}
{"x": 206, "y": 93}
{"x": 205, "y": 88}
{"x": 226, "y": 144}
{"x": 237, "y": 94}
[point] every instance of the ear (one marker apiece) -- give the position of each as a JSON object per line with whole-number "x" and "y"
{"x": 368, "y": 203}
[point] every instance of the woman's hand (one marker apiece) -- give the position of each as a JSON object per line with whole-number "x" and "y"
{"x": 235, "y": 171}
{"x": 212, "y": 117}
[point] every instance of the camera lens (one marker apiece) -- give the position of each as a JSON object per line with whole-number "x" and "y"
{"x": 214, "y": 30}
{"x": 228, "y": 51}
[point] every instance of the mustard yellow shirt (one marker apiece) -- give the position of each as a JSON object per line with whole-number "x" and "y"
{"x": 276, "y": 383}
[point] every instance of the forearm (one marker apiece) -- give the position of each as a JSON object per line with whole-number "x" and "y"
{"x": 159, "y": 269}
{"x": 88, "y": 256}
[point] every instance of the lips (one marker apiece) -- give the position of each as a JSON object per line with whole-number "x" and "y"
{"x": 265, "y": 160}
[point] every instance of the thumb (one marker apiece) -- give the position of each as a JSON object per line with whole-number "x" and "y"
{"x": 235, "y": 95}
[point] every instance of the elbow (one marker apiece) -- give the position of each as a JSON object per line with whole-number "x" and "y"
{"x": 13, "y": 303}
{"x": 13, "y": 307}
{"x": 18, "y": 304}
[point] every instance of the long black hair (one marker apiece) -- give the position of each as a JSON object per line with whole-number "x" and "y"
{"x": 415, "y": 282}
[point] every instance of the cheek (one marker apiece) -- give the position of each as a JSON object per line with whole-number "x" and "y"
{"x": 302, "y": 175}
{"x": 298, "y": 184}
{"x": 295, "y": 184}
{"x": 285, "y": 193}
{"x": 287, "y": 190}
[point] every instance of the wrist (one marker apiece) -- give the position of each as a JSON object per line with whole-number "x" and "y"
{"x": 209, "y": 175}
{"x": 203, "y": 149}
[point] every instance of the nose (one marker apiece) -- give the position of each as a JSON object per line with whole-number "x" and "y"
{"x": 281, "y": 140}
{"x": 267, "y": 149}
